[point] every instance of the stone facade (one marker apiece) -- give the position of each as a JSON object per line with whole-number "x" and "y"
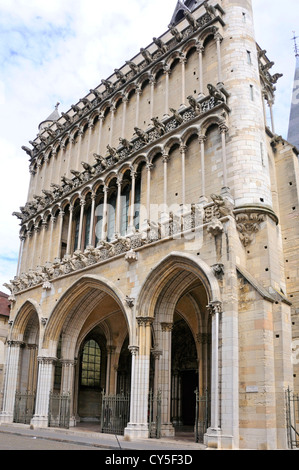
{"x": 158, "y": 242}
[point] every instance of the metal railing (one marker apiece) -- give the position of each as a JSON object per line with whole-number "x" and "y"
{"x": 24, "y": 407}
{"x": 115, "y": 413}
{"x": 59, "y": 410}
{"x": 202, "y": 415}
{"x": 292, "y": 416}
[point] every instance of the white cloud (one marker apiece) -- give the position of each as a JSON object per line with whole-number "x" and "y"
{"x": 57, "y": 50}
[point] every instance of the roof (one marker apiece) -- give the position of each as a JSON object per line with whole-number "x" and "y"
{"x": 4, "y": 305}
{"x": 293, "y": 134}
{"x": 183, "y": 5}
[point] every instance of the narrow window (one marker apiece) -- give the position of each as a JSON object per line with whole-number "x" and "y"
{"x": 125, "y": 200}
{"x": 251, "y": 93}
{"x": 249, "y": 58}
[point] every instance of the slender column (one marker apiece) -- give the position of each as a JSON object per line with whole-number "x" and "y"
{"x": 214, "y": 309}
{"x": 132, "y": 207}
{"x": 165, "y": 378}
{"x": 224, "y": 129}
{"x": 167, "y": 72}
{"x": 10, "y": 381}
{"x": 53, "y": 220}
{"x": 61, "y": 216}
{"x": 32, "y": 369}
{"x": 123, "y": 130}
{"x": 22, "y": 240}
{"x": 79, "y": 150}
{"x": 111, "y": 124}
{"x": 218, "y": 38}
{"x": 68, "y": 158}
{"x": 43, "y": 230}
{"x": 101, "y": 119}
{"x": 36, "y": 231}
{"x": 138, "y": 92}
{"x": 270, "y": 103}
{"x": 165, "y": 161}
{"x": 104, "y": 226}
{"x": 144, "y": 324}
{"x": 152, "y": 82}
{"x": 183, "y": 153}
{"x": 201, "y": 140}
{"x": 44, "y": 386}
{"x": 53, "y": 165}
{"x": 149, "y": 166}
{"x": 82, "y": 204}
{"x": 183, "y": 61}
{"x": 118, "y": 205}
{"x": 110, "y": 351}
{"x": 69, "y": 233}
{"x": 200, "y": 49}
{"x": 134, "y": 385}
{"x": 90, "y": 128}
{"x": 92, "y": 217}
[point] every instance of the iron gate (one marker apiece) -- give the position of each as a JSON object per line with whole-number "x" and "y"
{"x": 154, "y": 403}
{"x": 292, "y": 414}
{"x": 202, "y": 415}
{"x": 24, "y": 407}
{"x": 59, "y": 410}
{"x": 115, "y": 413}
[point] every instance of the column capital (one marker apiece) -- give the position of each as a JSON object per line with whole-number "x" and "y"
{"x": 46, "y": 360}
{"x": 144, "y": 321}
{"x": 214, "y": 307}
{"x": 223, "y": 128}
{"x": 202, "y": 138}
{"x": 134, "y": 350}
{"x": 166, "y": 326}
{"x": 15, "y": 344}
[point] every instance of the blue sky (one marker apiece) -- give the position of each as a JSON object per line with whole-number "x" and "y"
{"x": 57, "y": 50}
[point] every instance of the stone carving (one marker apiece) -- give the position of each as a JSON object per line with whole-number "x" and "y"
{"x": 161, "y": 45}
{"x": 177, "y": 116}
{"x": 248, "y": 224}
{"x": 214, "y": 307}
{"x": 141, "y": 134}
{"x": 28, "y": 151}
{"x": 225, "y": 207}
{"x": 125, "y": 143}
{"x": 191, "y": 20}
{"x": 131, "y": 256}
{"x": 108, "y": 85}
{"x": 130, "y": 301}
{"x": 146, "y": 55}
{"x": 216, "y": 94}
{"x": 120, "y": 75}
{"x": 132, "y": 66}
{"x": 215, "y": 227}
{"x": 159, "y": 126}
{"x": 96, "y": 93}
{"x": 194, "y": 105}
{"x": 175, "y": 32}
{"x": 218, "y": 270}
{"x": 210, "y": 9}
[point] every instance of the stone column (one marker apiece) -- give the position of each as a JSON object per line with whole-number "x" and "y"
{"x": 61, "y": 215}
{"x": 36, "y": 231}
{"x": 78, "y": 166}
{"x": 92, "y": 217}
{"x": 200, "y": 49}
{"x": 53, "y": 221}
{"x": 138, "y": 93}
{"x": 90, "y": 127}
{"x": 69, "y": 233}
{"x": 125, "y": 101}
{"x": 32, "y": 368}
{"x": 43, "y": 230}
{"x": 111, "y": 124}
{"x": 167, "y": 72}
{"x": 152, "y": 82}
{"x": 138, "y": 425}
{"x": 20, "y": 260}
{"x": 224, "y": 129}
{"x": 104, "y": 226}
{"x": 201, "y": 139}
{"x": 82, "y": 204}
{"x": 218, "y": 38}
{"x": 118, "y": 205}
{"x": 183, "y": 149}
{"x": 10, "y": 381}
{"x": 67, "y": 385}
{"x": 131, "y": 227}
{"x": 270, "y": 103}
{"x": 101, "y": 119}
{"x": 44, "y": 386}
{"x": 165, "y": 161}
{"x": 167, "y": 428}
{"x": 149, "y": 167}
{"x": 183, "y": 62}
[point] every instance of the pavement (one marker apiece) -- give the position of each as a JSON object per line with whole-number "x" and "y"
{"x": 89, "y": 435}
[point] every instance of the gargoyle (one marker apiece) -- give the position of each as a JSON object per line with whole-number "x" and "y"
{"x": 126, "y": 144}
{"x": 191, "y": 20}
{"x": 120, "y": 75}
{"x": 175, "y": 32}
{"x": 177, "y": 116}
{"x": 194, "y": 104}
{"x": 77, "y": 174}
{"x": 67, "y": 181}
{"x": 28, "y": 151}
{"x": 96, "y": 93}
{"x": 86, "y": 103}
{"x": 112, "y": 152}
{"x": 88, "y": 167}
{"x": 219, "y": 97}
{"x": 132, "y": 66}
{"x": 100, "y": 159}
{"x": 210, "y": 9}
{"x": 159, "y": 125}
{"x": 108, "y": 85}
{"x": 146, "y": 55}
{"x": 160, "y": 44}
{"x": 141, "y": 134}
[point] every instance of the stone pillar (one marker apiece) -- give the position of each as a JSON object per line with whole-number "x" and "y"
{"x": 43, "y": 230}
{"x": 82, "y": 204}
{"x": 167, "y": 72}
{"x": 219, "y": 39}
{"x": 34, "y": 258}
{"x": 111, "y": 124}
{"x": 69, "y": 233}
{"x": 67, "y": 385}
{"x": 152, "y": 82}
{"x": 104, "y": 226}
{"x": 101, "y": 119}
{"x": 224, "y": 129}
{"x": 149, "y": 167}
{"x": 183, "y": 62}
{"x": 201, "y": 139}
{"x": 167, "y": 428}
{"x": 134, "y": 385}
{"x": 183, "y": 149}
{"x": 79, "y": 150}
{"x": 20, "y": 260}
{"x": 124, "y": 101}
{"x": 53, "y": 221}
{"x": 10, "y": 381}
{"x": 110, "y": 351}
{"x": 131, "y": 227}
{"x": 44, "y": 387}
{"x": 118, "y": 205}
{"x": 61, "y": 215}
{"x": 200, "y": 49}
{"x": 90, "y": 127}
{"x": 92, "y": 217}
{"x": 138, "y": 93}
{"x": 138, "y": 425}
{"x": 165, "y": 161}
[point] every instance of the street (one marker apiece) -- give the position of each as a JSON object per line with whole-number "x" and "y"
{"x": 13, "y": 442}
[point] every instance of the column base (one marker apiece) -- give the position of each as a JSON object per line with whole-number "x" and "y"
{"x": 6, "y": 417}
{"x": 136, "y": 431}
{"x": 40, "y": 421}
{"x": 167, "y": 430}
{"x": 214, "y": 439}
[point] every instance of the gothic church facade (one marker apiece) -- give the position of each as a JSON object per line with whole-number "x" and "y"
{"x": 159, "y": 243}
